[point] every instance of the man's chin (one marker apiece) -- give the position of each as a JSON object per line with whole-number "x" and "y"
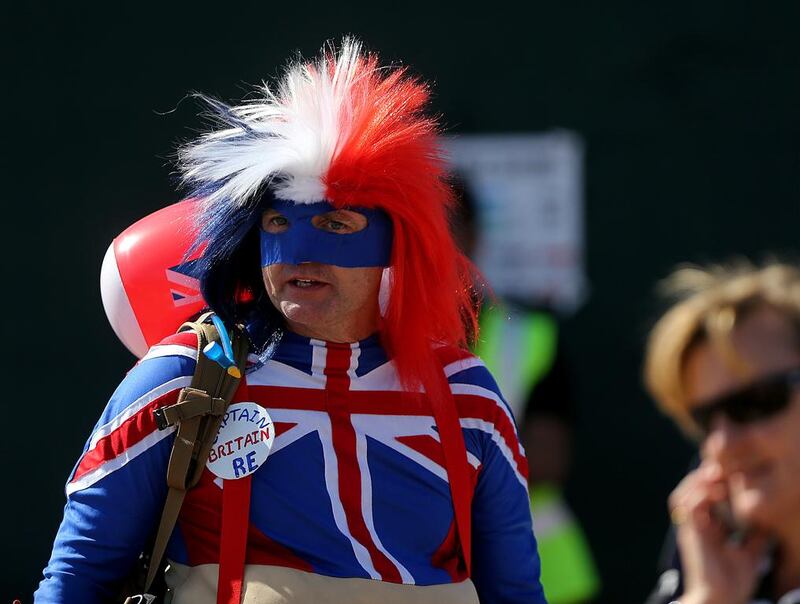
{"x": 305, "y": 318}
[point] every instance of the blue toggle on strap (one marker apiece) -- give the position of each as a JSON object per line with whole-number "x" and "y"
{"x": 222, "y": 355}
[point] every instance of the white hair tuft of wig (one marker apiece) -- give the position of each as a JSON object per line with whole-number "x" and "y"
{"x": 286, "y": 138}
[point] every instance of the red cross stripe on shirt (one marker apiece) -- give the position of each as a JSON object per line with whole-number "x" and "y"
{"x": 344, "y": 443}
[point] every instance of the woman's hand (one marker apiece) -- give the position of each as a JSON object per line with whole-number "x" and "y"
{"x": 716, "y": 568}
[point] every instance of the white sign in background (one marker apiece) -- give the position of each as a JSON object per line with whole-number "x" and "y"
{"x": 529, "y": 192}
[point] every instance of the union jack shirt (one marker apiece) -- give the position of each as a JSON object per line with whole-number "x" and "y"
{"x": 354, "y": 486}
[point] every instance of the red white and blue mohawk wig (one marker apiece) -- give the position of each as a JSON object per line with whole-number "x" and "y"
{"x": 344, "y": 130}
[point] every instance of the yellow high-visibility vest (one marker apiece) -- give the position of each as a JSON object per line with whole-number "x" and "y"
{"x": 519, "y": 348}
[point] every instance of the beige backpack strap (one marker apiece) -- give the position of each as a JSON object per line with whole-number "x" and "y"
{"x": 198, "y": 414}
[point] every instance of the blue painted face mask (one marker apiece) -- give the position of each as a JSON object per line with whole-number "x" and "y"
{"x": 303, "y": 242}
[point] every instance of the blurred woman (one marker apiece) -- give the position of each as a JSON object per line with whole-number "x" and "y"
{"x": 724, "y": 363}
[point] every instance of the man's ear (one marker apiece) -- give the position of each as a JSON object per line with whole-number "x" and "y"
{"x": 386, "y": 290}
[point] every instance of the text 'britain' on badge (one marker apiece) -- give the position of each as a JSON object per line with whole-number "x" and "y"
{"x": 243, "y": 442}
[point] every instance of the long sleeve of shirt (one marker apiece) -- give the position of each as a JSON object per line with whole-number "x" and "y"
{"x": 117, "y": 490}
{"x": 505, "y": 561}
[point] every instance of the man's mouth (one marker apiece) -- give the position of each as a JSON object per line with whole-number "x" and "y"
{"x": 306, "y": 283}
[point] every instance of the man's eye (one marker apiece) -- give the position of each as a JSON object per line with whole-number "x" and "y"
{"x": 341, "y": 222}
{"x": 272, "y": 222}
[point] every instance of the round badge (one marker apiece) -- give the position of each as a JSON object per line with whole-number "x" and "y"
{"x": 243, "y": 442}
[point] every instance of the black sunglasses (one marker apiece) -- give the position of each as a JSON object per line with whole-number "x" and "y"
{"x": 755, "y": 402}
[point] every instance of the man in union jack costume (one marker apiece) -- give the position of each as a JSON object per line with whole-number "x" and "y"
{"x": 358, "y": 313}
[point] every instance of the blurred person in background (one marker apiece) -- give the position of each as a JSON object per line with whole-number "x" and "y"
{"x": 724, "y": 364}
{"x": 522, "y": 347}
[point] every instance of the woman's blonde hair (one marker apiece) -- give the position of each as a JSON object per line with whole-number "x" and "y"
{"x": 710, "y": 301}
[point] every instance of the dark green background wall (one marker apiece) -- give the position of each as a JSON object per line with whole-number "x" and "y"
{"x": 690, "y": 115}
